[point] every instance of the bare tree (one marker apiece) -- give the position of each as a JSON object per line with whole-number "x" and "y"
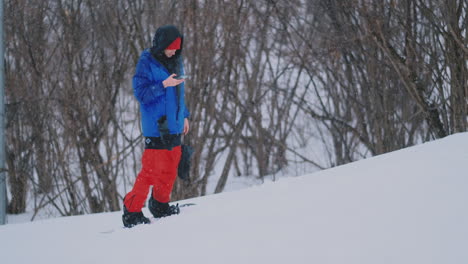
{"x": 269, "y": 79}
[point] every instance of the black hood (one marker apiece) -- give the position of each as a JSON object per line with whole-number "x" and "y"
{"x": 163, "y": 37}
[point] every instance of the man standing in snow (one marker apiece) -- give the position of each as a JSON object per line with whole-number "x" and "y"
{"x": 164, "y": 120}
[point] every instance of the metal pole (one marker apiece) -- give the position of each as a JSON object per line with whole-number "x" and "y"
{"x": 3, "y": 198}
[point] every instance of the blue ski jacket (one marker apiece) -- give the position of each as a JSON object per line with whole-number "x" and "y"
{"x": 157, "y": 101}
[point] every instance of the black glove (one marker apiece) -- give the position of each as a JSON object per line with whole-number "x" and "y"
{"x": 163, "y": 128}
{"x": 184, "y": 164}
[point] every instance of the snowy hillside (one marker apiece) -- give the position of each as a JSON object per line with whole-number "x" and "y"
{"x": 409, "y": 206}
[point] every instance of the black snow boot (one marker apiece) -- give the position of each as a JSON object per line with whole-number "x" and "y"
{"x": 162, "y": 209}
{"x": 131, "y": 219}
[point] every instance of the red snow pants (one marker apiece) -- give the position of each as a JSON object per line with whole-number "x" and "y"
{"x": 159, "y": 169}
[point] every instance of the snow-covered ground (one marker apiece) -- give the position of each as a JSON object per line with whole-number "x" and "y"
{"x": 408, "y": 206}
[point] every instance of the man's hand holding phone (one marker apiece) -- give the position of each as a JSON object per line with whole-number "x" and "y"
{"x": 173, "y": 80}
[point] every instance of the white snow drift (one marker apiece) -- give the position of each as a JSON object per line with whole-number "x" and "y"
{"x": 409, "y": 206}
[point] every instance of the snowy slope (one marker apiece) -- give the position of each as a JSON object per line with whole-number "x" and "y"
{"x": 409, "y": 206}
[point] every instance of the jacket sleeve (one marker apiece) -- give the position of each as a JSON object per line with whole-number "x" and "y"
{"x": 186, "y": 111}
{"x": 182, "y": 72}
{"x": 144, "y": 88}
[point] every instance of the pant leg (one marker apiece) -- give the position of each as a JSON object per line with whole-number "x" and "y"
{"x": 166, "y": 173}
{"x": 135, "y": 199}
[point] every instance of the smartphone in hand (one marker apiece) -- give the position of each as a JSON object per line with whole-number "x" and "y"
{"x": 180, "y": 77}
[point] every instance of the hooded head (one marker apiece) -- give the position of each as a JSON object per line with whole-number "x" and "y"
{"x": 168, "y": 37}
